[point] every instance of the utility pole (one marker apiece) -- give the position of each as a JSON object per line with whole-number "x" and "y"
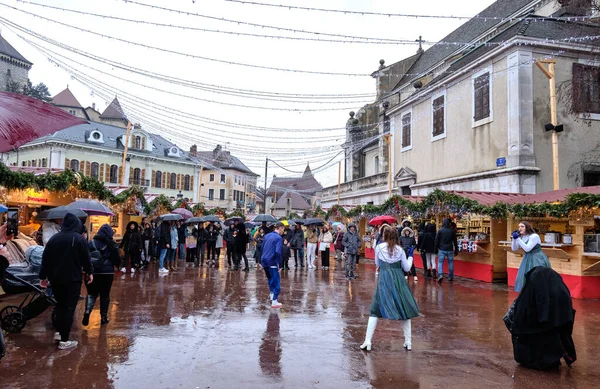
{"x": 339, "y": 179}
{"x": 388, "y": 140}
{"x": 126, "y": 148}
{"x": 245, "y": 194}
{"x": 200, "y": 185}
{"x": 549, "y": 73}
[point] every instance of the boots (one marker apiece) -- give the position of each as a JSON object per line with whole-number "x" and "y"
{"x": 406, "y": 327}
{"x": 104, "y": 303}
{"x": 370, "y": 331}
{"x": 89, "y": 306}
{"x": 434, "y": 273}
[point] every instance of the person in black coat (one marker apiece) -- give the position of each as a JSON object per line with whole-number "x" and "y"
{"x": 211, "y": 245}
{"x": 446, "y": 245}
{"x": 241, "y": 242}
{"x": 103, "y": 276}
{"x": 229, "y": 236}
{"x": 286, "y": 251}
{"x": 297, "y": 244}
{"x": 164, "y": 244}
{"x": 65, "y": 256}
{"x": 202, "y": 235}
{"x": 541, "y": 321}
{"x": 132, "y": 245}
{"x": 427, "y": 247}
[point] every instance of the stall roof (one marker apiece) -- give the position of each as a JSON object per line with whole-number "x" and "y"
{"x": 490, "y": 198}
{"x": 556, "y": 195}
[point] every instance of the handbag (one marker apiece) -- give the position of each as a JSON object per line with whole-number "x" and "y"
{"x": 97, "y": 257}
{"x": 323, "y": 246}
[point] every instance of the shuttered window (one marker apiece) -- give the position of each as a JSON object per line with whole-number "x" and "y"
{"x": 186, "y": 183}
{"x": 586, "y": 88}
{"x": 74, "y": 165}
{"x": 406, "y": 129}
{"x": 481, "y": 97}
{"x": 438, "y": 116}
{"x": 114, "y": 174}
{"x": 157, "y": 179}
{"x": 94, "y": 169}
{"x": 173, "y": 181}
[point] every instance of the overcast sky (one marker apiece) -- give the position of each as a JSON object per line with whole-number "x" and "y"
{"x": 180, "y": 113}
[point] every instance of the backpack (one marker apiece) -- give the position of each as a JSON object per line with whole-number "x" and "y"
{"x": 97, "y": 257}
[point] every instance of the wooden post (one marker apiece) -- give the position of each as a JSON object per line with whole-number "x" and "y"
{"x": 126, "y": 148}
{"x": 200, "y": 186}
{"x": 388, "y": 140}
{"x": 549, "y": 73}
{"x": 339, "y": 179}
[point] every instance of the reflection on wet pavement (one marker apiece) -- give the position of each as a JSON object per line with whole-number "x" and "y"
{"x": 210, "y": 328}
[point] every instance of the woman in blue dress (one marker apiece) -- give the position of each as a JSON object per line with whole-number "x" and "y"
{"x": 393, "y": 299}
{"x": 526, "y": 239}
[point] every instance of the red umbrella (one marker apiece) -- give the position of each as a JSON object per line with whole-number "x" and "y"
{"x": 183, "y": 212}
{"x": 379, "y": 220}
{"x": 23, "y": 119}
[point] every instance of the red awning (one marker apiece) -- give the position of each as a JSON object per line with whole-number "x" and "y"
{"x": 24, "y": 119}
{"x": 490, "y": 198}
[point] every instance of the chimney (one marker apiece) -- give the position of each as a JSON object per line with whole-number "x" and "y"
{"x": 194, "y": 151}
{"x": 94, "y": 106}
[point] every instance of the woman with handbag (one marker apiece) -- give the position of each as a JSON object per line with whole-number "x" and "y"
{"x": 325, "y": 240}
{"x": 105, "y": 258}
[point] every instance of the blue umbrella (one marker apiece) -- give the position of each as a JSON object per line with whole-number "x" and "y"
{"x": 3, "y": 208}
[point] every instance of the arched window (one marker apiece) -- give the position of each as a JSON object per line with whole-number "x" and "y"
{"x": 29, "y": 163}
{"x": 94, "y": 168}
{"x": 34, "y": 163}
{"x": 74, "y": 165}
{"x": 173, "y": 183}
{"x": 186, "y": 182}
{"x": 158, "y": 179}
{"x": 23, "y": 163}
{"x": 114, "y": 174}
{"x": 137, "y": 142}
{"x": 44, "y": 162}
{"x": 137, "y": 176}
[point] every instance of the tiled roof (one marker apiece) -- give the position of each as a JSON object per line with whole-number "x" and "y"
{"x": 66, "y": 99}
{"x": 114, "y": 111}
{"x": 6, "y": 48}
{"x": 297, "y": 201}
{"x": 224, "y": 161}
{"x": 307, "y": 185}
{"x": 556, "y": 195}
{"x": 490, "y": 198}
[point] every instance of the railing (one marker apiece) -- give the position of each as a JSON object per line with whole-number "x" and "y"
{"x": 139, "y": 182}
{"x": 375, "y": 181}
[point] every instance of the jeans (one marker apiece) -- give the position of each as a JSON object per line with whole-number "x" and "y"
{"x": 171, "y": 255}
{"x": 442, "y": 254}
{"x": 274, "y": 281}
{"x": 161, "y": 259}
{"x": 200, "y": 249}
{"x": 67, "y": 297}
{"x": 350, "y": 262}
{"x": 231, "y": 254}
{"x": 181, "y": 250}
{"x": 299, "y": 257}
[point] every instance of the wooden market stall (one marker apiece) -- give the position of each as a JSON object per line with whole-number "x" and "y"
{"x": 572, "y": 243}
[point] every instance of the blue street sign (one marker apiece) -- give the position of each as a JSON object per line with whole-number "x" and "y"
{"x": 501, "y": 162}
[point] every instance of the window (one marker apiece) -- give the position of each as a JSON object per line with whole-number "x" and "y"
{"x": 29, "y": 163}
{"x": 211, "y": 194}
{"x": 34, "y": 163}
{"x": 211, "y": 178}
{"x": 481, "y": 97}
{"x": 137, "y": 176}
{"x": 586, "y": 88}
{"x": 96, "y": 135}
{"x": 222, "y": 178}
{"x": 114, "y": 174}
{"x": 221, "y": 194}
{"x": 591, "y": 178}
{"x": 44, "y": 162}
{"x": 94, "y": 168}
{"x": 73, "y": 112}
{"x": 23, "y": 163}
{"x": 439, "y": 117}
{"x": 376, "y": 164}
{"x": 74, "y": 165}
{"x": 406, "y": 191}
{"x": 173, "y": 181}
{"x": 186, "y": 182}
{"x": 158, "y": 180}
{"x": 406, "y": 131}
{"x": 8, "y": 72}
{"x": 137, "y": 142}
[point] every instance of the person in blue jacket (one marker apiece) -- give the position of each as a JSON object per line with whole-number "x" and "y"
{"x": 272, "y": 261}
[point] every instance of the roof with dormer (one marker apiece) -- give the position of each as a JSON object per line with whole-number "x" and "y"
{"x": 7, "y": 49}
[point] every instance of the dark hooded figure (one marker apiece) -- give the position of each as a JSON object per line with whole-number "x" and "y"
{"x": 541, "y": 321}
{"x": 241, "y": 242}
{"x": 65, "y": 257}
{"x": 132, "y": 245}
{"x": 103, "y": 276}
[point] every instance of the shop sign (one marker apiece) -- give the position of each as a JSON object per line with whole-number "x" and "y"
{"x": 586, "y": 221}
{"x": 37, "y": 199}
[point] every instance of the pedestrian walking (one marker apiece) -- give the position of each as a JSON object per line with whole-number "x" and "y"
{"x": 65, "y": 256}
{"x": 526, "y": 239}
{"x": 258, "y": 240}
{"x": 446, "y": 246}
{"x": 191, "y": 241}
{"x": 428, "y": 252}
{"x": 108, "y": 253}
{"x": 241, "y": 243}
{"x": 408, "y": 242}
{"x": 393, "y": 299}
{"x": 181, "y": 239}
{"x": 174, "y": 234}
{"x": 164, "y": 244}
{"x": 351, "y": 243}
{"x": 312, "y": 239}
{"x": 325, "y": 240}
{"x": 218, "y": 243}
{"x": 229, "y": 236}
{"x": 132, "y": 246}
{"x": 147, "y": 239}
{"x": 272, "y": 261}
{"x": 337, "y": 244}
{"x": 286, "y": 252}
{"x": 201, "y": 244}
{"x": 297, "y": 244}
{"x": 420, "y": 238}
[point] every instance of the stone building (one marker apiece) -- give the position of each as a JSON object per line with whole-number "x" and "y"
{"x": 14, "y": 68}
{"x": 298, "y": 194}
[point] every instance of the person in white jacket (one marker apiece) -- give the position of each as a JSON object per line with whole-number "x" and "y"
{"x": 525, "y": 238}
{"x": 393, "y": 299}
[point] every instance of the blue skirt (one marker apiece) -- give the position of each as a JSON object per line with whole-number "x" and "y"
{"x": 393, "y": 298}
{"x": 534, "y": 258}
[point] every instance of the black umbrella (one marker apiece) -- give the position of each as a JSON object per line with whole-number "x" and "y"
{"x": 233, "y": 219}
{"x": 211, "y": 218}
{"x": 171, "y": 217}
{"x": 299, "y": 221}
{"x": 314, "y": 222}
{"x": 61, "y": 212}
{"x": 264, "y": 218}
{"x": 91, "y": 207}
{"x": 195, "y": 219}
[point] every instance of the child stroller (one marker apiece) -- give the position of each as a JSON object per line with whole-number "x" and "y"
{"x": 13, "y": 318}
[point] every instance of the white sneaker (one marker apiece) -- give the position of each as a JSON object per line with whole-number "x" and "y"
{"x": 163, "y": 270}
{"x": 132, "y": 270}
{"x": 406, "y": 277}
{"x": 123, "y": 270}
{"x": 67, "y": 345}
{"x": 276, "y": 304}
{"x": 57, "y": 337}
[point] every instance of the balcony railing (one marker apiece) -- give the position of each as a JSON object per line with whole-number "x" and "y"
{"x": 139, "y": 182}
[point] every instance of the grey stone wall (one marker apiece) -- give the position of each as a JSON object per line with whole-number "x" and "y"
{"x": 18, "y": 73}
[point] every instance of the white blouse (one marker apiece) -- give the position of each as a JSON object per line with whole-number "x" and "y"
{"x": 527, "y": 242}
{"x": 383, "y": 254}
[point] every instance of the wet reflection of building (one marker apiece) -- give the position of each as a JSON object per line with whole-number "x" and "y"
{"x": 269, "y": 353}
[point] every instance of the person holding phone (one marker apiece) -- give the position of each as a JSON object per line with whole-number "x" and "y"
{"x": 65, "y": 257}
